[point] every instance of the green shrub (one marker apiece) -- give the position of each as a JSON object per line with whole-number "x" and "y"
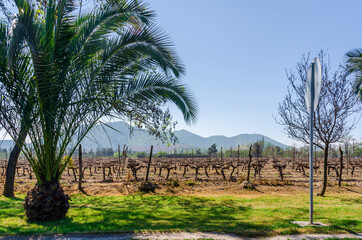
{"x": 174, "y": 183}
{"x": 190, "y": 183}
{"x": 141, "y": 154}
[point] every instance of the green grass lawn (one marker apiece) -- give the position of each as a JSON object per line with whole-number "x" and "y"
{"x": 261, "y": 216}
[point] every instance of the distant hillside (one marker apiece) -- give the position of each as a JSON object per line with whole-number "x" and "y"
{"x": 141, "y": 140}
{"x": 105, "y": 137}
{"x": 6, "y": 144}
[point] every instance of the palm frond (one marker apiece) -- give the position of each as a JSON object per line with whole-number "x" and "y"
{"x": 67, "y": 72}
{"x": 157, "y": 87}
{"x": 354, "y": 64}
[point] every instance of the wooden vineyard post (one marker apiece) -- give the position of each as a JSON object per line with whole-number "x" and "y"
{"x": 315, "y": 159}
{"x": 147, "y": 186}
{"x": 149, "y": 164}
{"x": 238, "y": 152}
{"x": 340, "y": 167}
{"x": 348, "y": 153}
{"x": 124, "y": 156}
{"x": 119, "y": 162}
{"x": 80, "y": 168}
{"x": 249, "y": 163}
{"x": 74, "y": 174}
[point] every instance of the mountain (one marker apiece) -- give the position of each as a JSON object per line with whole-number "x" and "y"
{"x": 6, "y": 144}
{"x": 106, "y": 137}
{"x": 222, "y": 141}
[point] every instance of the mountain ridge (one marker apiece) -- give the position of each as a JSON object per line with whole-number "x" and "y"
{"x": 141, "y": 140}
{"x": 105, "y": 137}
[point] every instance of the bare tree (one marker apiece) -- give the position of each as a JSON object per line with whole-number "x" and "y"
{"x": 346, "y": 142}
{"x": 334, "y": 114}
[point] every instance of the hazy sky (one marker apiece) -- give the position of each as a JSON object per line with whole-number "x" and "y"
{"x": 236, "y": 53}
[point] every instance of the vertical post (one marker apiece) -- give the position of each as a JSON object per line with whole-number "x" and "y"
{"x": 119, "y": 154}
{"x": 124, "y": 155}
{"x": 80, "y": 168}
{"x": 193, "y": 156}
{"x": 315, "y": 159}
{"x": 238, "y": 152}
{"x": 249, "y": 163}
{"x": 340, "y": 166}
{"x": 348, "y": 156}
{"x": 119, "y": 161}
{"x": 149, "y": 164}
{"x": 311, "y": 148}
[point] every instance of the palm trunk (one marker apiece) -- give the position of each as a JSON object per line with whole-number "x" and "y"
{"x": 11, "y": 167}
{"x": 46, "y": 202}
{"x": 325, "y": 170}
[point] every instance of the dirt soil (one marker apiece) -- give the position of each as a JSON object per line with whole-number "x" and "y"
{"x": 268, "y": 182}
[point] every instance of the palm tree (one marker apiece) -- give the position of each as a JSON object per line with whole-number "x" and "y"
{"x": 84, "y": 68}
{"x": 15, "y": 73}
{"x": 354, "y": 63}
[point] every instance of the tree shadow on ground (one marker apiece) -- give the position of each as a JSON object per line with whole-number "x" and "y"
{"x": 345, "y": 225}
{"x": 150, "y": 213}
{"x": 161, "y": 214}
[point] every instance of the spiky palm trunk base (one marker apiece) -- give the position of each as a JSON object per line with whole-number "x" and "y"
{"x": 46, "y": 202}
{"x": 147, "y": 187}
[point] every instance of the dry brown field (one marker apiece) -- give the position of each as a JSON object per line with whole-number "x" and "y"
{"x": 109, "y": 176}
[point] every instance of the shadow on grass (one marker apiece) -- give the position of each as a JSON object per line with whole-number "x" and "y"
{"x": 153, "y": 214}
{"x": 12, "y": 208}
{"x": 6, "y": 199}
{"x": 84, "y": 192}
{"x": 350, "y": 190}
{"x": 345, "y": 225}
{"x": 352, "y": 200}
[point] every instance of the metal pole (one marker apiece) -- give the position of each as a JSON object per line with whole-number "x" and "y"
{"x": 311, "y": 148}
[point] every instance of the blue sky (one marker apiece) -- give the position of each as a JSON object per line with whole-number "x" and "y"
{"x": 236, "y": 53}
